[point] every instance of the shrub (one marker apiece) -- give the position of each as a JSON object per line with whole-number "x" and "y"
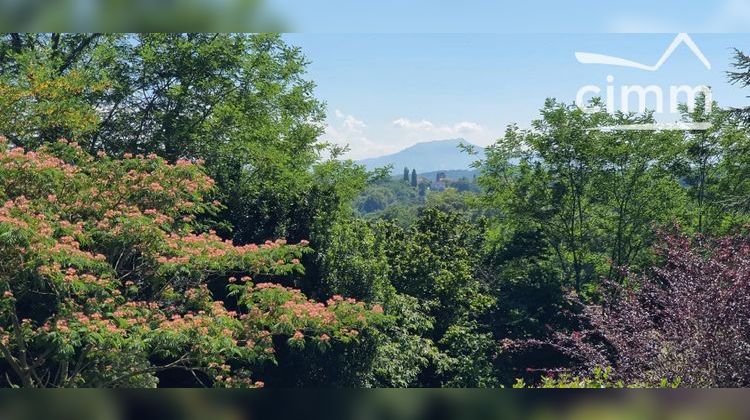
{"x": 686, "y": 318}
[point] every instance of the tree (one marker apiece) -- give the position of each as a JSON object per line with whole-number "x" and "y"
{"x": 44, "y": 94}
{"x": 406, "y": 174}
{"x": 240, "y": 102}
{"x": 713, "y": 169}
{"x": 423, "y": 277}
{"x": 591, "y": 194}
{"x": 741, "y": 76}
{"x": 660, "y": 326}
{"x": 109, "y": 280}
{"x": 413, "y": 177}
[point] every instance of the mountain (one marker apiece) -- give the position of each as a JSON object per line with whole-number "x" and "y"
{"x": 427, "y": 156}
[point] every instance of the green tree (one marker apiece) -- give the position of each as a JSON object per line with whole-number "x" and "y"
{"x": 713, "y": 168}
{"x": 413, "y": 177}
{"x": 592, "y": 195}
{"x": 740, "y": 75}
{"x": 44, "y": 93}
{"x": 423, "y": 276}
{"x": 240, "y": 102}
{"x": 406, "y": 174}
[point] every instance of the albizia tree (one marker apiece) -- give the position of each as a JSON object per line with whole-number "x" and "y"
{"x": 104, "y": 278}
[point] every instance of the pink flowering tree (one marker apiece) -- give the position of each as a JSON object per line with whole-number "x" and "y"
{"x": 104, "y": 270}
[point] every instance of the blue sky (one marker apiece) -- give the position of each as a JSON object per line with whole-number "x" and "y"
{"x": 497, "y": 16}
{"x": 385, "y": 92}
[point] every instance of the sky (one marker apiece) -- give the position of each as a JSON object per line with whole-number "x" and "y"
{"x": 387, "y": 91}
{"x": 528, "y": 16}
{"x": 397, "y": 72}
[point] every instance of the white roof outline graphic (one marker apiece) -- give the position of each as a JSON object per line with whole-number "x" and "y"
{"x": 592, "y": 58}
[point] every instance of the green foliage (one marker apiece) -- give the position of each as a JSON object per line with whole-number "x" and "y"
{"x": 423, "y": 278}
{"x": 599, "y": 378}
{"x": 404, "y": 352}
{"x": 399, "y": 202}
{"x": 713, "y": 169}
{"x": 237, "y": 101}
{"x": 591, "y": 195}
{"x": 41, "y": 101}
{"x": 468, "y": 357}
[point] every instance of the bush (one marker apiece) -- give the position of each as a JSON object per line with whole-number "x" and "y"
{"x": 686, "y": 318}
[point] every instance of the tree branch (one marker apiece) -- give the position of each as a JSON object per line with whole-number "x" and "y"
{"x": 76, "y": 52}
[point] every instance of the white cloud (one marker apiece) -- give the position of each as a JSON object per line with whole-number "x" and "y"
{"x": 346, "y": 129}
{"x": 413, "y": 125}
{"x": 427, "y": 127}
{"x": 350, "y": 122}
{"x": 467, "y": 126}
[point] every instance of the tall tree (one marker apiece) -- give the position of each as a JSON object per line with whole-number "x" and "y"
{"x": 591, "y": 194}
{"x": 406, "y": 174}
{"x": 741, "y": 76}
{"x": 240, "y": 102}
{"x": 413, "y": 177}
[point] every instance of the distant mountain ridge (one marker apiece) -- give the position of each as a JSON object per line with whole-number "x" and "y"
{"x": 430, "y": 156}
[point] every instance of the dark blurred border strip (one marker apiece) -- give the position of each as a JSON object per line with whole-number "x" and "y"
{"x": 425, "y": 404}
{"x": 138, "y": 16}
